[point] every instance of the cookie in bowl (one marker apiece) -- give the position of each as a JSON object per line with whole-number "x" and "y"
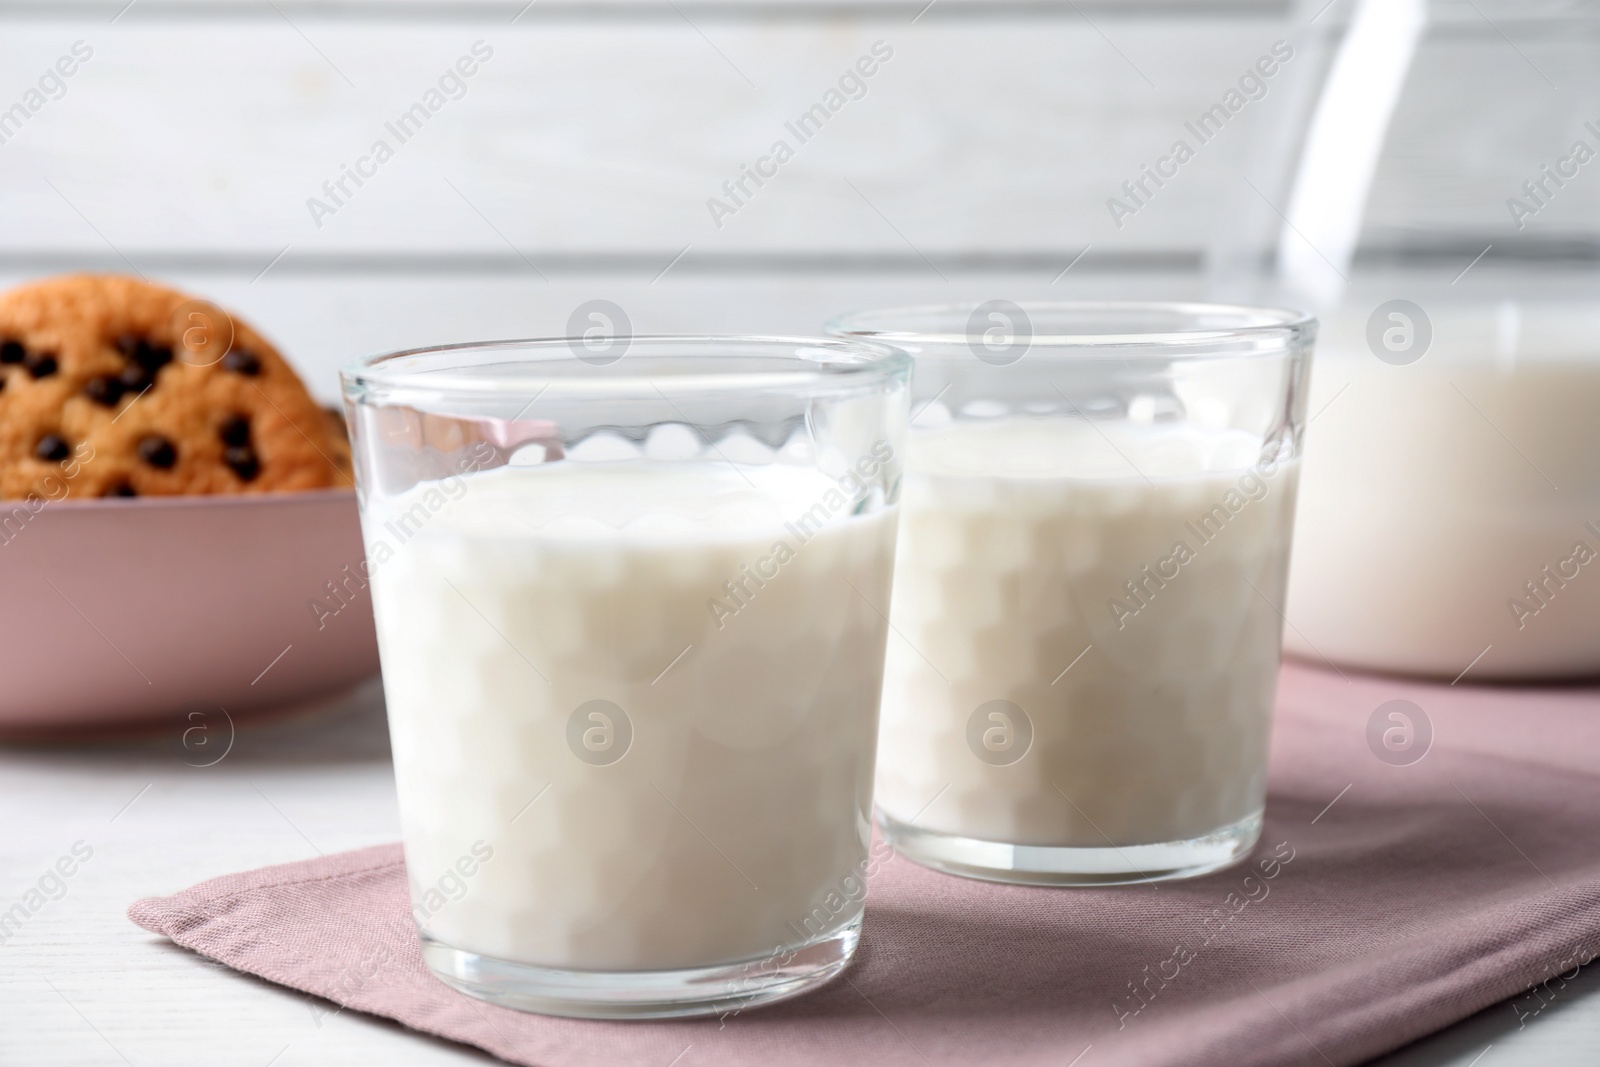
{"x": 114, "y": 387}
{"x": 222, "y": 585}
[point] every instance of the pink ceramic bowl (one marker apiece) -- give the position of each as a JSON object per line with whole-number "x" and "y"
{"x": 124, "y": 612}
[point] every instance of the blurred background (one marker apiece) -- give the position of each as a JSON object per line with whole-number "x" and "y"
{"x": 211, "y": 143}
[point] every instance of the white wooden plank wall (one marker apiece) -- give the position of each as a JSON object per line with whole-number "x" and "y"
{"x": 578, "y": 159}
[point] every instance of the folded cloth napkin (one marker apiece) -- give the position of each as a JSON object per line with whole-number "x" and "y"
{"x": 1390, "y": 896}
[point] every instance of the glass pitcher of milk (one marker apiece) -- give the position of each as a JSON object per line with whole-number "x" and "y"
{"x": 1432, "y": 193}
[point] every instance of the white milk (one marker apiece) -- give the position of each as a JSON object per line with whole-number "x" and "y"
{"x": 1024, "y": 543}
{"x": 1451, "y": 516}
{"x": 736, "y": 821}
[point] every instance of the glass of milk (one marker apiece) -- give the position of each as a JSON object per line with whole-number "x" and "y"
{"x": 1087, "y": 620}
{"x": 631, "y": 600}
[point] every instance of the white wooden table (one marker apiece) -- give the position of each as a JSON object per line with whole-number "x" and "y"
{"x": 80, "y": 984}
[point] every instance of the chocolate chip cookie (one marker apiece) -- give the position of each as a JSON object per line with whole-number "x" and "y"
{"x": 111, "y": 386}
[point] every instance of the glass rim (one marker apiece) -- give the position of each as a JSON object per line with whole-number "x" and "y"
{"x": 857, "y": 358}
{"x": 1256, "y": 322}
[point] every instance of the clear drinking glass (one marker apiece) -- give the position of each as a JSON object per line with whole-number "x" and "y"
{"x": 630, "y": 606}
{"x": 1087, "y": 607}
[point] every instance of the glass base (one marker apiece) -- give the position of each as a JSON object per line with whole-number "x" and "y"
{"x": 996, "y": 861}
{"x": 716, "y": 990}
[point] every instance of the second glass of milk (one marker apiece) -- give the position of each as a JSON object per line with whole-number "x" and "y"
{"x": 1087, "y": 612}
{"x": 630, "y": 599}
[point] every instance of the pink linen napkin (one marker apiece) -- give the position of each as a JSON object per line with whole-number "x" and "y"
{"x": 1388, "y": 898}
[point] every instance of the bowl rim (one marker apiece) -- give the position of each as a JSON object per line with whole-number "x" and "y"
{"x": 185, "y": 500}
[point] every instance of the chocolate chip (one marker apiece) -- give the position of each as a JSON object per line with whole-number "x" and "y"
{"x": 235, "y": 430}
{"x": 52, "y": 447}
{"x": 106, "y": 389}
{"x": 157, "y": 451}
{"x": 42, "y": 365}
{"x": 242, "y": 361}
{"x": 134, "y": 378}
{"x": 135, "y": 349}
{"x": 153, "y": 357}
{"x": 12, "y": 352}
{"x": 241, "y": 459}
{"x": 122, "y": 489}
